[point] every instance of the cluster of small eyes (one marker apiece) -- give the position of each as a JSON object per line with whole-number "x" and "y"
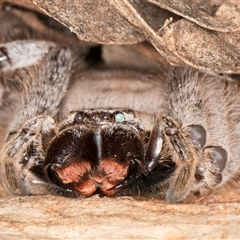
{"x": 99, "y": 116}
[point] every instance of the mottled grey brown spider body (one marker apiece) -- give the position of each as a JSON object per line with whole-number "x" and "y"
{"x": 72, "y": 132}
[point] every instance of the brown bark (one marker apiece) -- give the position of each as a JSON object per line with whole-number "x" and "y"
{"x": 49, "y": 217}
{"x": 207, "y": 37}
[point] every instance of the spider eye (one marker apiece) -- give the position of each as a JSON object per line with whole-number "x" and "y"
{"x": 79, "y": 117}
{"x": 93, "y": 116}
{"x": 105, "y": 115}
{"x": 119, "y": 117}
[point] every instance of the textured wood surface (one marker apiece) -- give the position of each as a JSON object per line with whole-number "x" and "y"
{"x": 49, "y": 217}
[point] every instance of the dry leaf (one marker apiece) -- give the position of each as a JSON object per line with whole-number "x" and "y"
{"x": 225, "y": 19}
{"x": 190, "y": 41}
{"x": 185, "y": 41}
{"x": 201, "y": 48}
{"x": 97, "y": 21}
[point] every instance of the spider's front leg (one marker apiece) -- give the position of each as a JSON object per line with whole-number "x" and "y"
{"x": 23, "y": 53}
{"x": 197, "y": 98}
{"x": 41, "y": 90}
{"x": 170, "y": 143}
{"x": 22, "y": 157}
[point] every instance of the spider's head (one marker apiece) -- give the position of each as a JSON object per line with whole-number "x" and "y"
{"x": 96, "y": 151}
